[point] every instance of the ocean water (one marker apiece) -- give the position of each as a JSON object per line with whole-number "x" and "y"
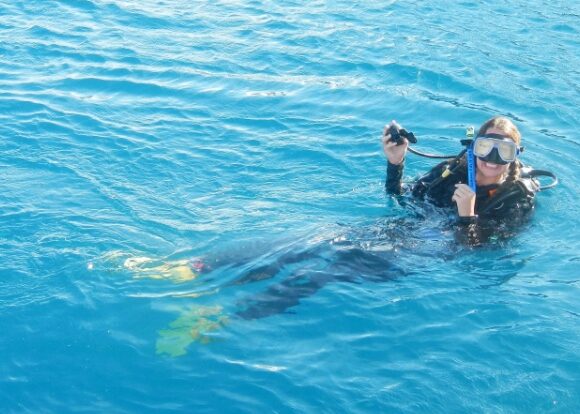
{"x": 137, "y": 135}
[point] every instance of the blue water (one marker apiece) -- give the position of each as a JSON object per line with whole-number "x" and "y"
{"x": 249, "y": 131}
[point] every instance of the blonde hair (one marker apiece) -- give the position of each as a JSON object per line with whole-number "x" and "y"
{"x": 509, "y": 130}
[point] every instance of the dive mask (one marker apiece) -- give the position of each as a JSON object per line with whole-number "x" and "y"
{"x": 496, "y": 149}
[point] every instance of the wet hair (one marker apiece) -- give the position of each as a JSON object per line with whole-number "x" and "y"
{"x": 508, "y": 128}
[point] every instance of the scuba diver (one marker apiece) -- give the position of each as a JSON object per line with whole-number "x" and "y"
{"x": 486, "y": 185}
{"x": 489, "y": 191}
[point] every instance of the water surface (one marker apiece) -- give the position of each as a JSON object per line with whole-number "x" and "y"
{"x": 249, "y": 131}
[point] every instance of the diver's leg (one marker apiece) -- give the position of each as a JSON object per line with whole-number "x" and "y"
{"x": 347, "y": 265}
{"x": 282, "y": 296}
{"x": 271, "y": 269}
{"x": 356, "y": 264}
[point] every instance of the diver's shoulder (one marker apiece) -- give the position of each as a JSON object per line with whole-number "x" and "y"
{"x": 520, "y": 188}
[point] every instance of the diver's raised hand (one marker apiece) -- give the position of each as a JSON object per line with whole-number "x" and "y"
{"x": 464, "y": 197}
{"x": 394, "y": 152}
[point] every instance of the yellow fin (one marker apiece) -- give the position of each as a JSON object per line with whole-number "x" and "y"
{"x": 193, "y": 325}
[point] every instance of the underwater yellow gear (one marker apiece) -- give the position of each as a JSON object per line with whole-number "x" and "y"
{"x": 193, "y": 325}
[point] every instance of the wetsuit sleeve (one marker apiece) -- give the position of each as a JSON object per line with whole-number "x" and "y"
{"x": 394, "y": 178}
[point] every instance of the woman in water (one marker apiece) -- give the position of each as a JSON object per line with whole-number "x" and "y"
{"x": 503, "y": 197}
{"x": 301, "y": 267}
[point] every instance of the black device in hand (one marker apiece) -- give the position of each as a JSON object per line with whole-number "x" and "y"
{"x": 397, "y": 135}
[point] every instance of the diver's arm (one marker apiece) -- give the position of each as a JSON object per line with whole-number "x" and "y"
{"x": 394, "y": 178}
{"x": 468, "y": 228}
{"x": 395, "y": 153}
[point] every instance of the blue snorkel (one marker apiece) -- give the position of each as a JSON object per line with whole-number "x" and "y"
{"x": 470, "y": 158}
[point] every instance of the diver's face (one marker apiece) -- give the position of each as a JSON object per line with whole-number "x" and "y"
{"x": 488, "y": 171}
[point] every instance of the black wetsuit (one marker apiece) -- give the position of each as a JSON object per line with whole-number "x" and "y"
{"x": 500, "y": 208}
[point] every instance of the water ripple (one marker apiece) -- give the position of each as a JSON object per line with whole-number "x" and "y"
{"x": 247, "y": 134}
